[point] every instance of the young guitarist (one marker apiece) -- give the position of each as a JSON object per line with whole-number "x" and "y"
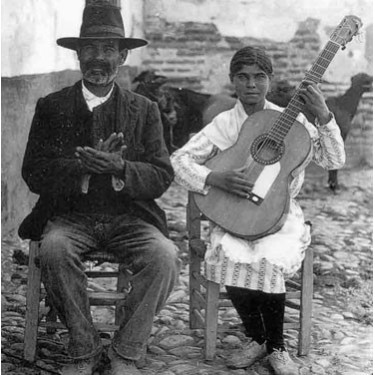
{"x": 254, "y": 271}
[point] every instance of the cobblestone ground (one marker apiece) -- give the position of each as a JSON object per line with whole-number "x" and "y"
{"x": 342, "y": 306}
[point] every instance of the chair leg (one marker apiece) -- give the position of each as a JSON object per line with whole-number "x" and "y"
{"x": 123, "y": 285}
{"x": 306, "y": 304}
{"x": 193, "y": 223}
{"x": 212, "y": 308}
{"x": 51, "y": 317}
{"x": 194, "y": 285}
{"x": 32, "y": 303}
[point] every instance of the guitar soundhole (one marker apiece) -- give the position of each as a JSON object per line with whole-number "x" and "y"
{"x": 266, "y": 150}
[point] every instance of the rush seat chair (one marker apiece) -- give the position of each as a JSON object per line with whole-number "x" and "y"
{"x": 34, "y": 296}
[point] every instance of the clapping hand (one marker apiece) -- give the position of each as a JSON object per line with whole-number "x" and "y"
{"x": 105, "y": 158}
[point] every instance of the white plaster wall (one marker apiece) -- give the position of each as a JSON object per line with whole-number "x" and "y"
{"x": 29, "y": 29}
{"x": 278, "y": 20}
{"x": 274, "y": 19}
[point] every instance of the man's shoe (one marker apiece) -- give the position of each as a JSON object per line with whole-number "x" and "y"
{"x": 81, "y": 367}
{"x": 122, "y": 366}
{"x": 249, "y": 354}
{"x": 282, "y": 363}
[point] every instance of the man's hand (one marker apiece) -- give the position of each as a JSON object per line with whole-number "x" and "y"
{"x": 101, "y": 162}
{"x": 112, "y": 144}
{"x": 234, "y": 182}
{"x": 314, "y": 102}
{"x": 105, "y": 158}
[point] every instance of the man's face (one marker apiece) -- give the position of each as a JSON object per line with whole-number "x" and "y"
{"x": 251, "y": 84}
{"x": 100, "y": 60}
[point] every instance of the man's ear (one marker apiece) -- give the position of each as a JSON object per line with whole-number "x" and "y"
{"x": 270, "y": 78}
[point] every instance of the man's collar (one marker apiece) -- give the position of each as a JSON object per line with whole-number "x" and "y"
{"x": 89, "y": 95}
{"x": 91, "y": 99}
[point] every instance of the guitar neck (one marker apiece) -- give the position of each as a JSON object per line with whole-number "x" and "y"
{"x": 283, "y": 124}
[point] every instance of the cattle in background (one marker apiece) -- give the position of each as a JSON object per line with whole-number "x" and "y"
{"x": 344, "y": 107}
{"x": 194, "y": 110}
{"x": 149, "y": 84}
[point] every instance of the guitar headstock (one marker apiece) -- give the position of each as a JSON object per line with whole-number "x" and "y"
{"x": 346, "y": 30}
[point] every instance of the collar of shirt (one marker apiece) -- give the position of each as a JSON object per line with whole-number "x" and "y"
{"x": 93, "y": 100}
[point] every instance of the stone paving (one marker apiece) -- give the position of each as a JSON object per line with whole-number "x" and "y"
{"x": 342, "y": 307}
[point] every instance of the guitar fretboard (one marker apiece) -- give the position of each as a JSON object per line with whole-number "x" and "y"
{"x": 287, "y": 118}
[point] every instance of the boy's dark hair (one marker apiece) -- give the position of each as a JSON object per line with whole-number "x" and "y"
{"x": 249, "y": 56}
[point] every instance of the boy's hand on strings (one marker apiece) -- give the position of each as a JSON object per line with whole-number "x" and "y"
{"x": 314, "y": 101}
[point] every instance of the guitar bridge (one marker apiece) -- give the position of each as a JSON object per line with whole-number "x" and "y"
{"x": 256, "y": 199}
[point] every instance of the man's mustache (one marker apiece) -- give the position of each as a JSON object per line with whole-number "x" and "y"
{"x": 98, "y": 65}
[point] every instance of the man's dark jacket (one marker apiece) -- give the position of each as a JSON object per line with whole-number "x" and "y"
{"x": 62, "y": 122}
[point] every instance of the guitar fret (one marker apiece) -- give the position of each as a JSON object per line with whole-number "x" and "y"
{"x": 276, "y": 137}
{"x": 291, "y": 116}
{"x": 321, "y": 66}
{"x": 313, "y": 77}
{"x": 326, "y": 59}
{"x": 293, "y": 106}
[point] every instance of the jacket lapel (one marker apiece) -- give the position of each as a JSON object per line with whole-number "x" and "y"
{"x": 128, "y": 113}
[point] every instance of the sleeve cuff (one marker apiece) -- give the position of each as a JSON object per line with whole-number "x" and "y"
{"x": 117, "y": 183}
{"x": 85, "y": 183}
{"x": 318, "y": 124}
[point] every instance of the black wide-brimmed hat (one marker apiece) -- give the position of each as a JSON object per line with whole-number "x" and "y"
{"x": 102, "y": 20}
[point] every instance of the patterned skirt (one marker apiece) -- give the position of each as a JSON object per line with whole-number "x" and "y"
{"x": 261, "y": 264}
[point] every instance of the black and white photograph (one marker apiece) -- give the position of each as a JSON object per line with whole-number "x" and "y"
{"x": 187, "y": 187}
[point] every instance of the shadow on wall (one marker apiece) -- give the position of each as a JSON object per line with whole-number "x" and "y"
{"x": 19, "y": 96}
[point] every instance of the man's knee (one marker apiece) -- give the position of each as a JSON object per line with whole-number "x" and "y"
{"x": 166, "y": 255}
{"x": 53, "y": 248}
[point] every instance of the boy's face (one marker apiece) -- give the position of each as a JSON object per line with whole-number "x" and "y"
{"x": 100, "y": 60}
{"x": 251, "y": 84}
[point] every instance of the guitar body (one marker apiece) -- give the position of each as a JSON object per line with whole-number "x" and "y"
{"x": 269, "y": 168}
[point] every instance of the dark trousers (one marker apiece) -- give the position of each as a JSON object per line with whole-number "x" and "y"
{"x": 262, "y": 315}
{"x": 150, "y": 256}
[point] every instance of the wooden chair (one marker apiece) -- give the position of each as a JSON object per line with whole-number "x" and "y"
{"x": 33, "y": 297}
{"x": 211, "y": 299}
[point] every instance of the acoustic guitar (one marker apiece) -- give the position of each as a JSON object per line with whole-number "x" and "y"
{"x": 270, "y": 148}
